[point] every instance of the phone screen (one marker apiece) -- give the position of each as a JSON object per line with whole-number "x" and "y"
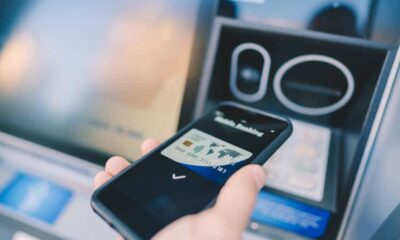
{"x": 186, "y": 174}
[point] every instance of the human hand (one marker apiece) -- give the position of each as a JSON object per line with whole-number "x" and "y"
{"x": 227, "y": 219}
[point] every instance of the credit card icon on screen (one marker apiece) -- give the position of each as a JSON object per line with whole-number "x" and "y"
{"x": 207, "y": 155}
{"x": 201, "y": 149}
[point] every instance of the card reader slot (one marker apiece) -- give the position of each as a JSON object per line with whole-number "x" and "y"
{"x": 313, "y": 88}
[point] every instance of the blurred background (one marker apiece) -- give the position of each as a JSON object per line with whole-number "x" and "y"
{"x": 81, "y": 81}
{"x": 99, "y": 72}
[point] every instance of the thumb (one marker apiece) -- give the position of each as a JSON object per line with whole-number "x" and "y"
{"x": 229, "y": 217}
{"x": 237, "y": 198}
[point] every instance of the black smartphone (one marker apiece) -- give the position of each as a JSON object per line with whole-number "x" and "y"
{"x": 185, "y": 174}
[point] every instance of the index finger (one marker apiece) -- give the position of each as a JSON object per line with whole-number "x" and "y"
{"x": 148, "y": 145}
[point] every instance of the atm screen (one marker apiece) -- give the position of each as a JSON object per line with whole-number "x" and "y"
{"x": 96, "y": 75}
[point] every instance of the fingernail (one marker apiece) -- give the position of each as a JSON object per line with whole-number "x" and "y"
{"x": 259, "y": 176}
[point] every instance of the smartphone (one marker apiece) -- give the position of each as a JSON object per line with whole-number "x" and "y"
{"x": 185, "y": 174}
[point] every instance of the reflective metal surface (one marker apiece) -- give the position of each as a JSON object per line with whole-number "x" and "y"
{"x": 379, "y": 191}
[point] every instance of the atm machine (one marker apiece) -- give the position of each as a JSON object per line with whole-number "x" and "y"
{"x": 332, "y": 67}
{"x": 333, "y": 70}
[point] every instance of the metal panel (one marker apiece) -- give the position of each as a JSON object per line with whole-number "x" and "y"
{"x": 378, "y": 193}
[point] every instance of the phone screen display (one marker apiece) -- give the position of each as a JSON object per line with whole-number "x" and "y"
{"x": 186, "y": 174}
